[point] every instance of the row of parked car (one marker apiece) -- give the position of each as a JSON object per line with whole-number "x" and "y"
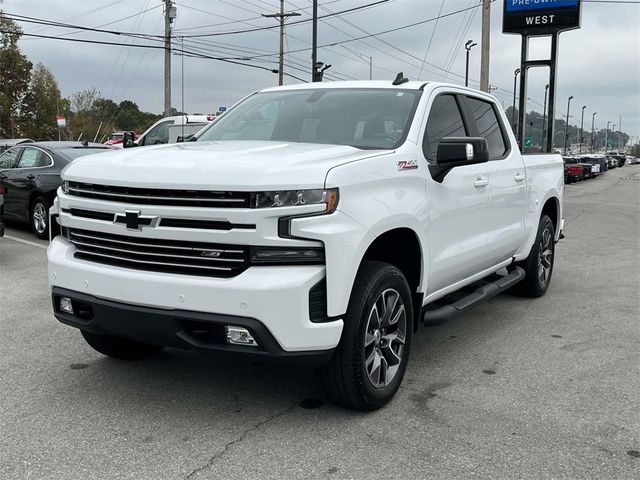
{"x": 583, "y": 167}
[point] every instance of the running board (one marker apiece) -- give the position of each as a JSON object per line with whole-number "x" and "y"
{"x": 486, "y": 291}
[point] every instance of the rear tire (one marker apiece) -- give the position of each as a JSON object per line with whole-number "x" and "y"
{"x": 39, "y": 217}
{"x": 538, "y": 266}
{"x": 368, "y": 366}
{"x": 120, "y": 348}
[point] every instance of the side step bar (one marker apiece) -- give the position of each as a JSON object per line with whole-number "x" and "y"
{"x": 488, "y": 290}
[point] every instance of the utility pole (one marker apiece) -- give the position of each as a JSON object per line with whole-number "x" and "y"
{"x": 314, "y": 42}
{"x": 581, "y": 128}
{"x": 606, "y": 138}
{"x": 513, "y": 112}
{"x": 484, "y": 58}
{"x": 169, "y": 17}
{"x": 566, "y": 125}
{"x": 593, "y": 121}
{"x": 620, "y": 133}
{"x": 370, "y": 68}
{"x": 544, "y": 115}
{"x": 282, "y": 17}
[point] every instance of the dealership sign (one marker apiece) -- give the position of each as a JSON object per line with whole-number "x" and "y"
{"x": 540, "y": 17}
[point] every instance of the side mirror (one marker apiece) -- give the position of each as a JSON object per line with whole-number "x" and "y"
{"x": 459, "y": 151}
{"x": 127, "y": 140}
{"x": 186, "y": 138}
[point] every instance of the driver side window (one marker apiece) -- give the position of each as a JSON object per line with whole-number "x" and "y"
{"x": 160, "y": 134}
{"x": 445, "y": 120}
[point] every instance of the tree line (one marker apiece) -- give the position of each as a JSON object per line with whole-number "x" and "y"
{"x": 30, "y": 99}
{"x": 534, "y": 130}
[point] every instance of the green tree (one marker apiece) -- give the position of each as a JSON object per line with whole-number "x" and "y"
{"x": 42, "y": 103}
{"x": 15, "y": 74}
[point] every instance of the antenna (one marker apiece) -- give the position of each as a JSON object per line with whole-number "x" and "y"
{"x": 400, "y": 79}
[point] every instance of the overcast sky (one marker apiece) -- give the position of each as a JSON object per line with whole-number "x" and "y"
{"x": 599, "y": 64}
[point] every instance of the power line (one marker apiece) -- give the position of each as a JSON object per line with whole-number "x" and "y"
{"x": 433, "y": 32}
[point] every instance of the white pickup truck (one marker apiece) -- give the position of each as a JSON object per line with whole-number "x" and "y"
{"x": 317, "y": 223}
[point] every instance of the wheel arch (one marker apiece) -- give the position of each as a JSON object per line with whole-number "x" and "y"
{"x": 551, "y": 208}
{"x": 401, "y": 247}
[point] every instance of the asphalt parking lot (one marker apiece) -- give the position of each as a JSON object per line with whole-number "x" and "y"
{"x": 515, "y": 389}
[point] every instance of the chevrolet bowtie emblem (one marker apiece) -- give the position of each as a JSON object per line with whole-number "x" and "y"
{"x": 134, "y": 221}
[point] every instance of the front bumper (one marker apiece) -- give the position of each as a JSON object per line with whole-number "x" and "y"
{"x": 276, "y": 297}
{"x": 203, "y": 332}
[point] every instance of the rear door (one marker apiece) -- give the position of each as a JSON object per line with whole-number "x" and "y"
{"x": 507, "y": 188}
{"x": 458, "y": 234}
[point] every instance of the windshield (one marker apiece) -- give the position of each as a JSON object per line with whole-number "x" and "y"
{"x": 362, "y": 118}
{"x": 73, "y": 153}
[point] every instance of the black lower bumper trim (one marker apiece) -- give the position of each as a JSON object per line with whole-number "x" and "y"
{"x": 203, "y": 332}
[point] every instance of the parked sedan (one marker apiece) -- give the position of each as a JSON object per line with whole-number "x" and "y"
{"x": 30, "y": 176}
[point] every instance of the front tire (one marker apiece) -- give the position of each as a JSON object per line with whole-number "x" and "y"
{"x": 368, "y": 366}
{"x": 120, "y": 348}
{"x": 39, "y": 217}
{"x": 538, "y": 266}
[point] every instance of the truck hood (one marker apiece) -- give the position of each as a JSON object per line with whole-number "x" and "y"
{"x": 228, "y": 165}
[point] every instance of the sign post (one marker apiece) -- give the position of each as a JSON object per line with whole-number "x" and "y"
{"x": 534, "y": 18}
{"x": 62, "y": 124}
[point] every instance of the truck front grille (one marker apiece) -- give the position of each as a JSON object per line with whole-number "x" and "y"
{"x": 167, "y": 256}
{"x": 159, "y": 196}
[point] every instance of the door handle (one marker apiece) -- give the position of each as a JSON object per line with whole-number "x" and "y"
{"x": 481, "y": 182}
{"x": 519, "y": 177}
{"x": 31, "y": 177}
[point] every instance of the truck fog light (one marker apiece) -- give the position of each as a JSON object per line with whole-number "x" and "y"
{"x": 66, "y": 305}
{"x": 239, "y": 336}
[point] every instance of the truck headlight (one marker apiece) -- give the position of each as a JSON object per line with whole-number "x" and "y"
{"x": 289, "y": 198}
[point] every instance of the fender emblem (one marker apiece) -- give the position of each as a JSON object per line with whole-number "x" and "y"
{"x": 407, "y": 165}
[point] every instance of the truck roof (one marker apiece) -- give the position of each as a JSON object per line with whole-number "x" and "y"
{"x": 377, "y": 84}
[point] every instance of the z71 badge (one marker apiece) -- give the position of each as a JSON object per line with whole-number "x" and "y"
{"x": 407, "y": 165}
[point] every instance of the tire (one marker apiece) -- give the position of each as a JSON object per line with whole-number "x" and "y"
{"x": 538, "y": 266}
{"x": 352, "y": 379}
{"x": 120, "y": 348}
{"x": 39, "y": 217}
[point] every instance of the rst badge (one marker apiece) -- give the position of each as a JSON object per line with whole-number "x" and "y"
{"x": 407, "y": 165}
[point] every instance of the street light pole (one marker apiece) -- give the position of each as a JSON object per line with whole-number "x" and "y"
{"x": 606, "y": 138}
{"x": 468, "y": 46}
{"x": 515, "y": 87}
{"x": 581, "y": 128}
{"x": 544, "y": 115}
{"x": 593, "y": 120}
{"x": 566, "y": 125}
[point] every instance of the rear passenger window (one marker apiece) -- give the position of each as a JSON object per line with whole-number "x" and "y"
{"x": 32, "y": 157}
{"x": 488, "y": 126}
{"x": 445, "y": 120}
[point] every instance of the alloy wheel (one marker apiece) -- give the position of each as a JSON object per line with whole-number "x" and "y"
{"x": 39, "y": 218}
{"x": 385, "y": 336}
{"x": 545, "y": 256}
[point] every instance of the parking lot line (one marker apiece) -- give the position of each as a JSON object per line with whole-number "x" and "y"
{"x": 27, "y": 242}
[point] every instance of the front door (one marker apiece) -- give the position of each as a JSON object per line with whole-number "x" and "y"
{"x": 457, "y": 204}
{"x": 8, "y": 164}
